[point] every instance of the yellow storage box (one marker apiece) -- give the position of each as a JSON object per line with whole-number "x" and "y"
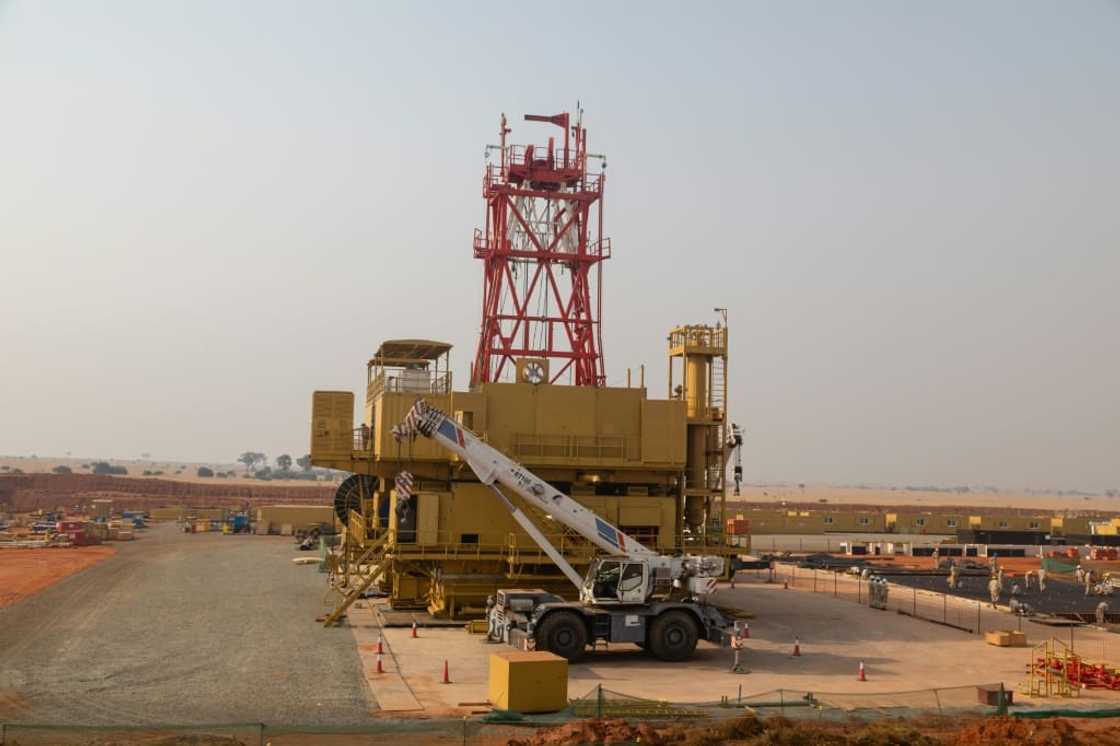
{"x": 1006, "y": 638}
{"x": 528, "y": 681}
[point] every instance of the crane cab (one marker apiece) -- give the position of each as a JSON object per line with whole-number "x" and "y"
{"x": 617, "y": 580}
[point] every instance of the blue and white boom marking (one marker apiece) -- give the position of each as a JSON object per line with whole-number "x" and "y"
{"x": 493, "y": 467}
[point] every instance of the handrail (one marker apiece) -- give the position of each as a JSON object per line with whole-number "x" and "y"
{"x": 414, "y": 382}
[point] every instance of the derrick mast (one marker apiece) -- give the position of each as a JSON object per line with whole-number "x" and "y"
{"x": 542, "y": 246}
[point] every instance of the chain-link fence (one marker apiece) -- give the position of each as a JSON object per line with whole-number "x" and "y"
{"x": 966, "y": 614}
{"x": 500, "y": 727}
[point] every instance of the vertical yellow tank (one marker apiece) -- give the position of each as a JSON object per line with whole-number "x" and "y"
{"x": 698, "y": 354}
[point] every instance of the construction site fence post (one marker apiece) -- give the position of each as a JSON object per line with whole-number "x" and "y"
{"x": 978, "y": 632}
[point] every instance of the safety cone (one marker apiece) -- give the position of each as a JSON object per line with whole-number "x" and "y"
{"x": 380, "y": 668}
{"x": 414, "y": 628}
{"x": 446, "y": 674}
{"x": 797, "y": 648}
{"x": 862, "y": 674}
{"x": 380, "y": 647}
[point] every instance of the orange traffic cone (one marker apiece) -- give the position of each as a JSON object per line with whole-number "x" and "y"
{"x": 380, "y": 668}
{"x": 862, "y": 674}
{"x": 796, "y": 648}
{"x": 446, "y": 674}
{"x": 414, "y": 628}
{"x": 380, "y": 648}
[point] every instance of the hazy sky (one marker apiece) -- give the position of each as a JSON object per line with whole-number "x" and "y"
{"x": 209, "y": 209}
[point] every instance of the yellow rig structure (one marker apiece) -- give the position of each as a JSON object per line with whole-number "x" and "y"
{"x": 654, "y": 467}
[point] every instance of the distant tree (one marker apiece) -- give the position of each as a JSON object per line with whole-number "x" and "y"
{"x": 62, "y": 469}
{"x": 85, "y": 466}
{"x": 304, "y": 462}
{"x": 263, "y": 473}
{"x": 104, "y": 467}
{"x": 5, "y": 468}
{"x": 284, "y": 462}
{"x": 205, "y": 471}
{"x": 251, "y": 459}
{"x": 17, "y": 471}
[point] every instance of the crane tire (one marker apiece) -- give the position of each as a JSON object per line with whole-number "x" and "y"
{"x": 563, "y": 633}
{"x": 672, "y": 635}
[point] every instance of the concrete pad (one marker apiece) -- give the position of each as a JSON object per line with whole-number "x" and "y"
{"x": 901, "y": 654}
{"x": 390, "y": 690}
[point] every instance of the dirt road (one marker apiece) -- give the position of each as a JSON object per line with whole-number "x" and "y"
{"x": 24, "y": 572}
{"x": 180, "y": 628}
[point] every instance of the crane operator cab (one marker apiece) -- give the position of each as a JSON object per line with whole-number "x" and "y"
{"x": 618, "y": 581}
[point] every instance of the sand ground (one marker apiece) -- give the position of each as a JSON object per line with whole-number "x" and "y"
{"x": 24, "y": 572}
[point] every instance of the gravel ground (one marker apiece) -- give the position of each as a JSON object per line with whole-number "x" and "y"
{"x": 181, "y": 628}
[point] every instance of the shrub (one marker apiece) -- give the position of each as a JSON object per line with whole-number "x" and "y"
{"x": 62, "y": 469}
{"x": 205, "y": 471}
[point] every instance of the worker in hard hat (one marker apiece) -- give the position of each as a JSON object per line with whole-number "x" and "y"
{"x": 1102, "y": 613}
{"x": 994, "y": 590}
{"x": 737, "y": 645}
{"x": 954, "y": 576}
{"x": 1041, "y": 578}
{"x": 1079, "y": 573}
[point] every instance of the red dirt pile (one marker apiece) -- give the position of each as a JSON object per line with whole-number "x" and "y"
{"x": 1007, "y": 731}
{"x": 747, "y": 730}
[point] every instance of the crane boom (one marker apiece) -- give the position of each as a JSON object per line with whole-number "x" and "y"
{"x": 493, "y": 467}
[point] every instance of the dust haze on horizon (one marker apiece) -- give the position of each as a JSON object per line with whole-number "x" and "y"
{"x": 209, "y": 210}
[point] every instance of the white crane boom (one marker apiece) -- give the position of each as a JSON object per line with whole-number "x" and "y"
{"x": 492, "y": 467}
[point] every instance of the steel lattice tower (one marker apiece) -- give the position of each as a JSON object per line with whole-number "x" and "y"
{"x": 542, "y": 248}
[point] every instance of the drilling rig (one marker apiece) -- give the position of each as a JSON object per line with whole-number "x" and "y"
{"x": 655, "y": 468}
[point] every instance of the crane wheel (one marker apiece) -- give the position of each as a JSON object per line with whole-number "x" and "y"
{"x": 563, "y": 633}
{"x": 672, "y": 636}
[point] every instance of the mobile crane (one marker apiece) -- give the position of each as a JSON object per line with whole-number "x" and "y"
{"x": 631, "y": 594}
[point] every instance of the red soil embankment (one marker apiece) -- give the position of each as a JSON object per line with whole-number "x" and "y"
{"x": 28, "y": 492}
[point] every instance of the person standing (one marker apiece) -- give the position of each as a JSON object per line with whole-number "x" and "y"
{"x": 1041, "y": 579}
{"x": 993, "y": 591}
{"x": 737, "y": 651}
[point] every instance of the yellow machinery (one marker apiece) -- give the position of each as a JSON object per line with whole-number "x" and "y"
{"x": 653, "y": 467}
{"x": 700, "y": 354}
